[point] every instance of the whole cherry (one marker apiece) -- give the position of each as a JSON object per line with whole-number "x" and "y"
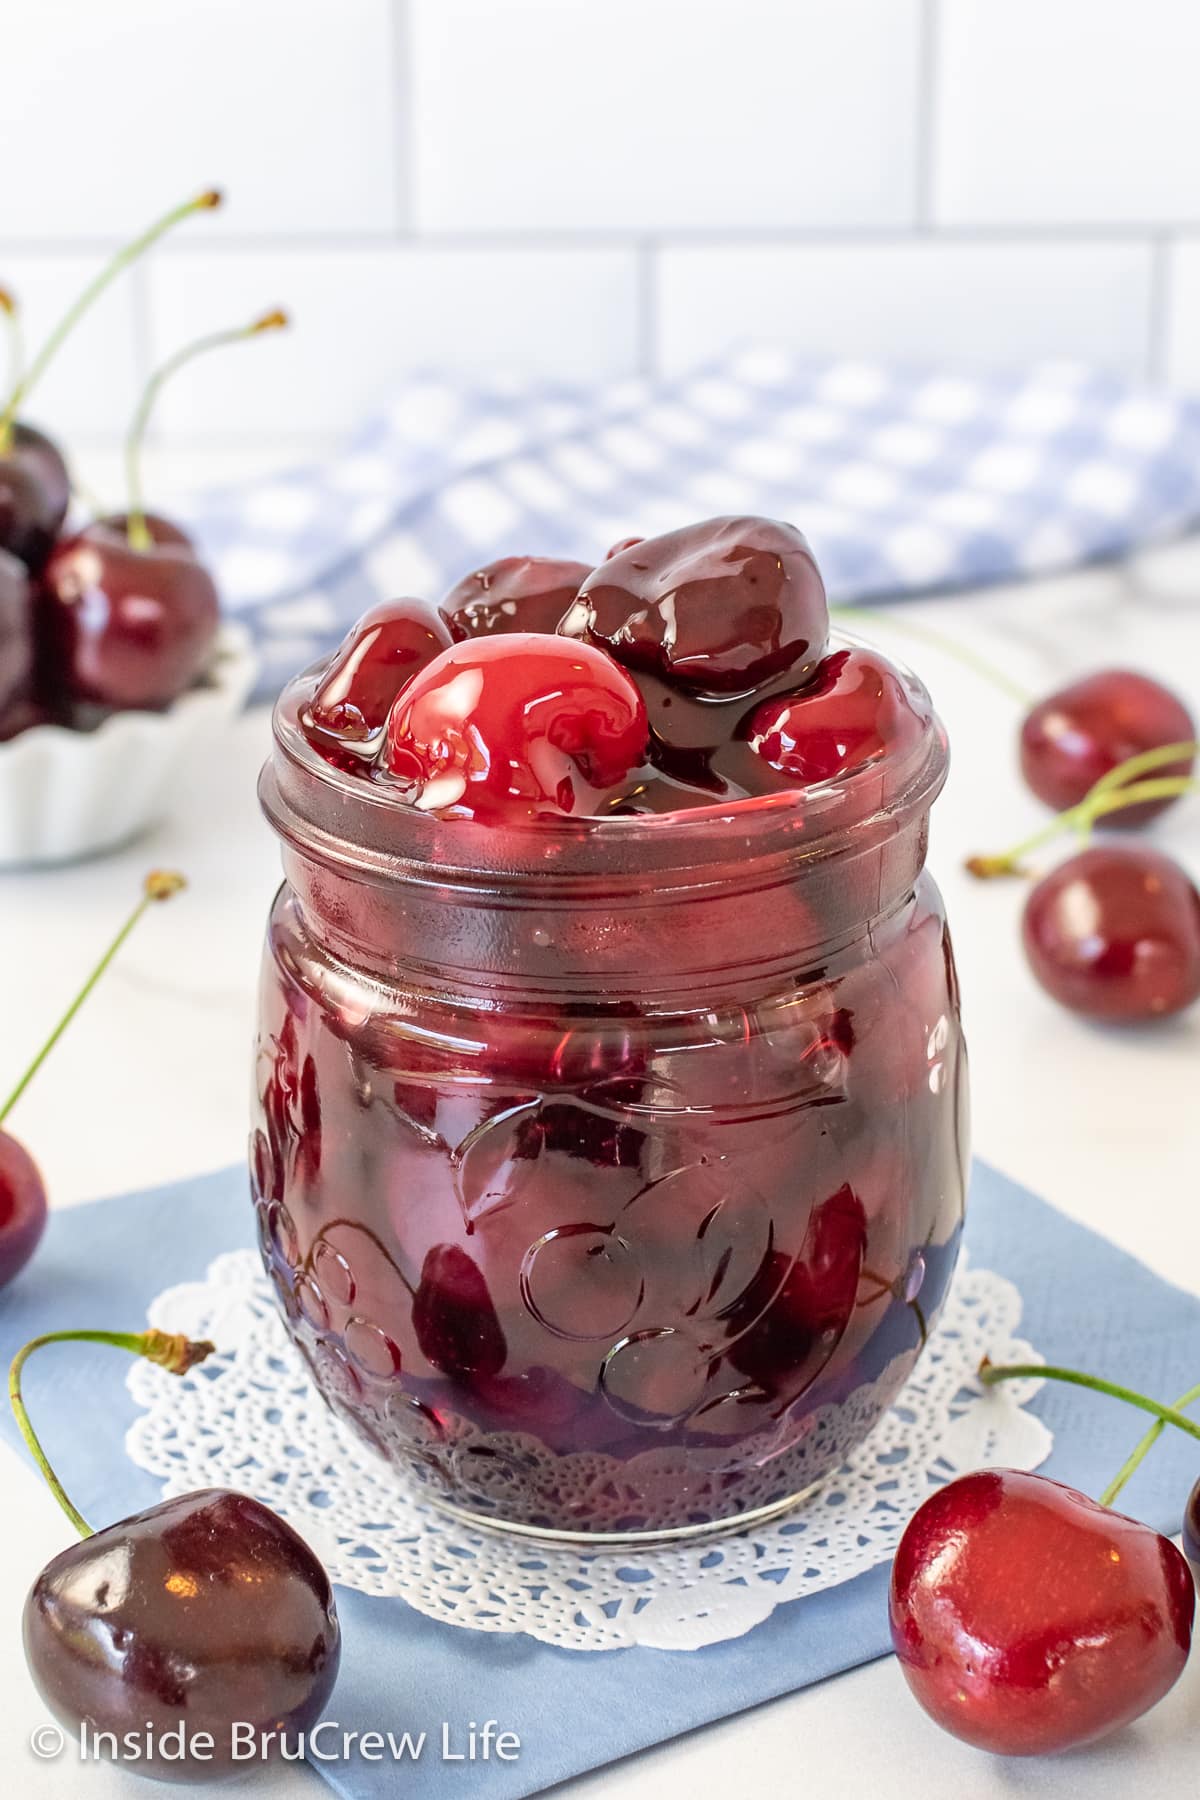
{"x": 716, "y": 608}
{"x": 1078, "y": 734}
{"x": 16, "y": 634}
{"x": 517, "y": 593}
{"x": 1028, "y": 1618}
{"x": 514, "y": 728}
{"x": 355, "y": 694}
{"x": 1114, "y": 933}
{"x": 204, "y": 1612}
{"x": 1191, "y": 1528}
{"x": 855, "y": 711}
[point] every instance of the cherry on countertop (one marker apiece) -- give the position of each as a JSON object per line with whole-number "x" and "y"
{"x": 1076, "y": 735}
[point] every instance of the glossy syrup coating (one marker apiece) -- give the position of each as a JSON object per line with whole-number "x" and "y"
{"x": 1073, "y": 737}
{"x": 516, "y": 727}
{"x": 855, "y": 711}
{"x": 1030, "y": 1619}
{"x": 205, "y": 1610}
{"x": 125, "y": 628}
{"x": 715, "y": 608}
{"x": 516, "y": 593}
{"x": 35, "y": 493}
{"x": 388, "y": 645}
{"x": 22, "y": 1207}
{"x": 1114, "y": 932}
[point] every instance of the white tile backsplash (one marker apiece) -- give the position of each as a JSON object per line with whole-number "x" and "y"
{"x": 958, "y": 303}
{"x": 594, "y": 187}
{"x": 651, "y": 115}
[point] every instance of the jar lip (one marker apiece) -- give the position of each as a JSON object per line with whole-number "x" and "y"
{"x": 313, "y": 803}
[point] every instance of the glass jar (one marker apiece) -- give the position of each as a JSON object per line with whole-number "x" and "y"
{"x": 609, "y": 1173}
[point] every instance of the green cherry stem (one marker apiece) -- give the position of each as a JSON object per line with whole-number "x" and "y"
{"x": 978, "y": 665}
{"x": 1139, "y": 1453}
{"x": 16, "y": 343}
{"x": 128, "y": 253}
{"x": 169, "y": 1350}
{"x": 160, "y": 884}
{"x": 138, "y": 533}
{"x": 992, "y": 1373}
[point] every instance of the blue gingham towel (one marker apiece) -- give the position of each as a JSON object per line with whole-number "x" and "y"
{"x": 905, "y": 480}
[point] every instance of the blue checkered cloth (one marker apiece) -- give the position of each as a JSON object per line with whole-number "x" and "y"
{"x": 905, "y": 481}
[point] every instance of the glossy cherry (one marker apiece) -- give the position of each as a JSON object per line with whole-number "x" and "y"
{"x": 516, "y": 727}
{"x": 125, "y": 627}
{"x": 203, "y": 1610}
{"x": 1191, "y": 1528}
{"x": 23, "y": 1209}
{"x": 384, "y": 649}
{"x": 1028, "y": 1618}
{"x": 1114, "y": 932}
{"x": 517, "y": 593}
{"x": 715, "y": 608}
{"x": 856, "y": 710}
{"x": 35, "y": 492}
{"x": 16, "y": 633}
{"x": 1076, "y": 735}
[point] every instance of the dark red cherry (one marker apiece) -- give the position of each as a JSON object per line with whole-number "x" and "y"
{"x": 716, "y": 608}
{"x": 856, "y": 710}
{"x": 35, "y": 493}
{"x": 22, "y": 1207}
{"x": 16, "y": 632}
{"x": 207, "y": 1610}
{"x": 516, "y": 727}
{"x": 1191, "y": 1528}
{"x": 454, "y": 1318}
{"x": 1028, "y": 1618}
{"x": 517, "y": 593}
{"x": 1078, "y": 734}
{"x": 1114, "y": 932}
{"x": 383, "y": 650}
{"x": 124, "y": 627}
{"x": 162, "y": 531}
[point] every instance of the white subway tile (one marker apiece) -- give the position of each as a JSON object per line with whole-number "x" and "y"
{"x": 112, "y": 111}
{"x": 1067, "y": 110}
{"x": 92, "y": 385}
{"x": 363, "y": 317}
{"x": 1181, "y": 358}
{"x": 621, "y": 114}
{"x": 954, "y": 303}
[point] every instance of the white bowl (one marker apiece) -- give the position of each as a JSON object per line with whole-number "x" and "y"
{"x": 66, "y": 794}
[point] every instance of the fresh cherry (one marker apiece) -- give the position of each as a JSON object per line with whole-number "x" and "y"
{"x": 1191, "y": 1528}
{"x": 205, "y": 1611}
{"x": 1028, "y": 1618}
{"x": 856, "y": 710}
{"x": 517, "y": 593}
{"x": 1076, "y": 735}
{"x": 125, "y": 627}
{"x": 377, "y": 657}
{"x": 516, "y": 727}
{"x": 16, "y": 633}
{"x": 35, "y": 492}
{"x": 715, "y": 608}
{"x": 1114, "y": 932}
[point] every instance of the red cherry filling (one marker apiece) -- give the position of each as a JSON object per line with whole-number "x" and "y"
{"x": 1078, "y": 734}
{"x": 516, "y": 727}
{"x": 389, "y": 644}
{"x": 454, "y": 1320}
{"x": 517, "y": 593}
{"x": 715, "y": 608}
{"x": 1028, "y": 1618}
{"x": 1114, "y": 932}
{"x": 856, "y": 709}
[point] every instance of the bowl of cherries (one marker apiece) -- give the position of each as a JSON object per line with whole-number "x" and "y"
{"x": 115, "y": 662}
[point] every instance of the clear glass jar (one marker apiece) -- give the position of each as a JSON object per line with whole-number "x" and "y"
{"x": 610, "y": 1174}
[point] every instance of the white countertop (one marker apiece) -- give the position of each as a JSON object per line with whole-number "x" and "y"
{"x": 1103, "y": 1123}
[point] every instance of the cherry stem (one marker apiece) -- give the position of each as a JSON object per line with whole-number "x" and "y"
{"x": 1138, "y": 1455}
{"x": 160, "y": 884}
{"x": 171, "y": 1351}
{"x": 136, "y": 528}
{"x": 16, "y": 346}
{"x": 128, "y": 253}
{"x": 979, "y": 665}
{"x": 1112, "y": 793}
{"x": 991, "y": 1373}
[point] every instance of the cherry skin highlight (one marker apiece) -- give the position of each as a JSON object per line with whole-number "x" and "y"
{"x": 717, "y": 608}
{"x": 1075, "y": 736}
{"x": 517, "y": 593}
{"x": 22, "y": 1207}
{"x": 1029, "y": 1619}
{"x": 35, "y": 493}
{"x": 387, "y": 646}
{"x": 126, "y": 628}
{"x": 204, "y": 1610}
{"x": 516, "y": 727}
{"x": 1114, "y": 932}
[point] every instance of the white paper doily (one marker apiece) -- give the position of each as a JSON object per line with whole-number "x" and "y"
{"x": 250, "y": 1419}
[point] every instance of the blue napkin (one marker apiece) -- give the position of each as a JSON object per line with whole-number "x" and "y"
{"x": 1085, "y": 1303}
{"x": 905, "y": 480}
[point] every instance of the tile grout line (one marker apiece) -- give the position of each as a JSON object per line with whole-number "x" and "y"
{"x": 404, "y": 134}
{"x": 927, "y": 88}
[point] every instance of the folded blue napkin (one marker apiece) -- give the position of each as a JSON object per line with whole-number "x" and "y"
{"x": 1085, "y": 1303}
{"x": 905, "y": 480}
